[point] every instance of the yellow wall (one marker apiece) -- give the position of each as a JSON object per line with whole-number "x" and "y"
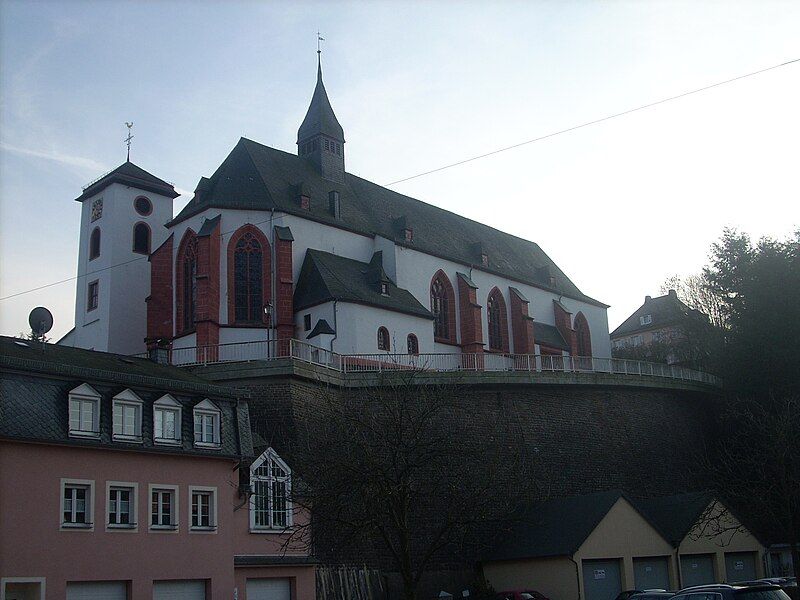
{"x": 625, "y": 534}
{"x": 701, "y": 541}
{"x": 556, "y": 578}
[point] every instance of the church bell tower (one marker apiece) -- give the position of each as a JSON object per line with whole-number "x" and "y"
{"x": 320, "y": 137}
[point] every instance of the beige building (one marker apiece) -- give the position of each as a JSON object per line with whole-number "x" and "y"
{"x": 589, "y": 547}
{"x": 593, "y": 547}
{"x": 712, "y": 544}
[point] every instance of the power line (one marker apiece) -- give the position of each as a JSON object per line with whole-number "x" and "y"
{"x": 455, "y": 164}
{"x": 588, "y": 123}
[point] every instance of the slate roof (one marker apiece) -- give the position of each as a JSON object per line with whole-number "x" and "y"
{"x": 35, "y": 386}
{"x": 548, "y": 335}
{"x": 130, "y": 174}
{"x": 666, "y": 311}
{"x": 555, "y": 527}
{"x": 320, "y": 118}
{"x": 321, "y": 328}
{"x": 325, "y": 277}
{"x": 675, "y": 515}
{"x": 256, "y": 177}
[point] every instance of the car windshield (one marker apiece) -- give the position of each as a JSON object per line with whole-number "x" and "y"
{"x": 746, "y": 594}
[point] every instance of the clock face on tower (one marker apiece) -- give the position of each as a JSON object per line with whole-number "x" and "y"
{"x": 97, "y": 209}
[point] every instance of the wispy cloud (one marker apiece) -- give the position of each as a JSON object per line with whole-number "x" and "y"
{"x": 90, "y": 165}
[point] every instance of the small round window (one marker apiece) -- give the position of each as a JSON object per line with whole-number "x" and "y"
{"x": 143, "y": 206}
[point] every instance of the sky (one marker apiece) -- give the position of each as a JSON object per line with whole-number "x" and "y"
{"x": 619, "y": 206}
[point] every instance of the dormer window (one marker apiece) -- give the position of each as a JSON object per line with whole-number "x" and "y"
{"x": 167, "y": 421}
{"x": 484, "y": 259}
{"x": 305, "y": 202}
{"x": 127, "y": 417}
{"x": 384, "y": 288}
{"x": 334, "y": 207}
{"x": 645, "y": 319}
{"x": 408, "y": 235}
{"x": 84, "y": 412}
{"x": 207, "y": 419}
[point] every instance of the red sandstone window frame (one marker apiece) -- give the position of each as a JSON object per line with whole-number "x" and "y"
{"x": 266, "y": 275}
{"x": 188, "y": 244}
{"x": 497, "y": 321}
{"x": 583, "y": 336}
{"x": 412, "y": 344}
{"x": 443, "y": 306}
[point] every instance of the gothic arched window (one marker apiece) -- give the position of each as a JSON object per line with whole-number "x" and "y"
{"x": 413, "y": 344}
{"x": 187, "y": 281}
{"x": 442, "y": 307}
{"x": 582, "y": 335}
{"x": 141, "y": 238}
{"x": 498, "y": 323}
{"x": 383, "y": 339}
{"x": 94, "y": 243}
{"x": 248, "y": 284}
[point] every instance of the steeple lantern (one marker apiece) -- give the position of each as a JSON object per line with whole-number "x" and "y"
{"x": 320, "y": 137}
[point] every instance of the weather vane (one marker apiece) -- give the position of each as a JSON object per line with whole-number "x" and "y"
{"x": 319, "y": 39}
{"x": 129, "y": 138}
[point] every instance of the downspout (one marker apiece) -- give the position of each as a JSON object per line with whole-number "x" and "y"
{"x": 335, "y": 325}
{"x": 273, "y": 290}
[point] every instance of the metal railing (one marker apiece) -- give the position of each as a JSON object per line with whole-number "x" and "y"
{"x": 435, "y": 362}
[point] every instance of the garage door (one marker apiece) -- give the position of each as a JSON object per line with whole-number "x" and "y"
{"x": 651, "y": 573}
{"x": 194, "y": 589}
{"x": 740, "y": 566}
{"x": 697, "y": 569}
{"x": 268, "y": 589}
{"x": 601, "y": 579}
{"x": 97, "y": 590}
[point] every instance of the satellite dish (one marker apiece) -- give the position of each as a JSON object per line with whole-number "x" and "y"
{"x": 40, "y": 320}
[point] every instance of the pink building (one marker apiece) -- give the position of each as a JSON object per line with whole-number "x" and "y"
{"x": 124, "y": 479}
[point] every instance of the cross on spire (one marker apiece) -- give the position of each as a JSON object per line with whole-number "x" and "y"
{"x": 129, "y": 138}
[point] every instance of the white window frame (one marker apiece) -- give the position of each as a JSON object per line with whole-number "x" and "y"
{"x": 645, "y": 319}
{"x": 174, "y": 507}
{"x": 133, "y": 512}
{"x": 268, "y": 457}
{"x": 87, "y": 484}
{"x": 123, "y": 400}
{"x": 42, "y": 581}
{"x": 212, "y": 509}
{"x": 205, "y": 409}
{"x": 84, "y": 394}
{"x": 168, "y": 404}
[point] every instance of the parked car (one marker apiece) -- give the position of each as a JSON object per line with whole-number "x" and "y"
{"x": 627, "y": 594}
{"x": 521, "y": 595}
{"x": 753, "y": 590}
{"x": 652, "y": 595}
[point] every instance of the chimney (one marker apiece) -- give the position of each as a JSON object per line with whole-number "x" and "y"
{"x": 647, "y": 298}
{"x": 673, "y": 293}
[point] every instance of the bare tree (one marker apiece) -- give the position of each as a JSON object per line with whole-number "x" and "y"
{"x": 398, "y": 472}
{"x": 696, "y": 293}
{"x": 753, "y": 465}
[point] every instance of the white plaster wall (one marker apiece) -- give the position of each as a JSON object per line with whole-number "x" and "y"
{"x": 238, "y": 335}
{"x": 327, "y": 311}
{"x": 416, "y": 269}
{"x": 119, "y": 324}
{"x": 358, "y": 329}
{"x": 412, "y": 269}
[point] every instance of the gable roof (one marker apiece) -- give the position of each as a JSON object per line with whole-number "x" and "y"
{"x": 256, "y": 177}
{"x": 675, "y": 515}
{"x": 555, "y": 527}
{"x": 665, "y": 310}
{"x": 325, "y": 277}
{"x": 548, "y": 335}
{"x": 130, "y": 174}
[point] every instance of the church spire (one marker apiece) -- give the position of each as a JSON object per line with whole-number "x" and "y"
{"x": 320, "y": 137}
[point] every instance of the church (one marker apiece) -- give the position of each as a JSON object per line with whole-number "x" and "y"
{"x": 276, "y": 246}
